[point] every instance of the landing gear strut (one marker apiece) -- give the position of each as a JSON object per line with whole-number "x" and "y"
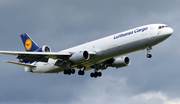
{"x": 148, "y": 51}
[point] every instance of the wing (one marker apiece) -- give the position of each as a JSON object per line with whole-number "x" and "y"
{"x": 41, "y": 56}
{"x": 37, "y": 56}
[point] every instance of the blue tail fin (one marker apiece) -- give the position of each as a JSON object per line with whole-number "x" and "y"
{"x": 29, "y": 44}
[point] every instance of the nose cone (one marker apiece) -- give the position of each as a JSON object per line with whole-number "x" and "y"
{"x": 170, "y": 31}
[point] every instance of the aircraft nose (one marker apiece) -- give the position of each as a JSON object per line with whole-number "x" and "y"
{"x": 170, "y": 31}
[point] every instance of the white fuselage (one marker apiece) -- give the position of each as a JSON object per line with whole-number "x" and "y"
{"x": 112, "y": 46}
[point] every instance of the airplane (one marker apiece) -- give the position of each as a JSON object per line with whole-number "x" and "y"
{"x": 98, "y": 55}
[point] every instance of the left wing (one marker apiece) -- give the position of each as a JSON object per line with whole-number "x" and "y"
{"x": 35, "y": 56}
{"x": 34, "y": 53}
{"x": 40, "y": 56}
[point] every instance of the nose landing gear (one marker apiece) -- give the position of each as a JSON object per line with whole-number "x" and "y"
{"x": 148, "y": 51}
{"x": 148, "y": 55}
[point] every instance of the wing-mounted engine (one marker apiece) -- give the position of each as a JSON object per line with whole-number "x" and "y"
{"x": 121, "y": 62}
{"x": 79, "y": 57}
{"x": 44, "y": 48}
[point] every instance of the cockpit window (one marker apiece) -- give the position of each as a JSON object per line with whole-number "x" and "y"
{"x": 160, "y": 27}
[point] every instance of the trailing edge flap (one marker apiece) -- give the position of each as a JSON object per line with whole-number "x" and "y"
{"x": 21, "y": 64}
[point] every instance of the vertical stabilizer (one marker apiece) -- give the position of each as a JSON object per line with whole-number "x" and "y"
{"x": 29, "y": 44}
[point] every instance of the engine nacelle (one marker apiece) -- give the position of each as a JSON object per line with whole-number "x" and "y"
{"x": 44, "y": 48}
{"x": 79, "y": 57}
{"x": 121, "y": 62}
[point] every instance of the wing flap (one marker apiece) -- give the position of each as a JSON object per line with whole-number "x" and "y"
{"x": 21, "y": 64}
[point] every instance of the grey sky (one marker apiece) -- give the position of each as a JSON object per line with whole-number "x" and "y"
{"x": 62, "y": 24}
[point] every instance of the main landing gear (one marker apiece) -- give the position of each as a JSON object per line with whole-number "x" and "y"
{"x": 69, "y": 71}
{"x": 96, "y": 74}
{"x": 81, "y": 72}
{"x": 148, "y": 51}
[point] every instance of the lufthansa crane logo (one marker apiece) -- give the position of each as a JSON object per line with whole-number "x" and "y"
{"x": 28, "y": 44}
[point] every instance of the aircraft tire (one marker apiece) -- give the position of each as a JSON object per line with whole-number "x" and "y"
{"x": 73, "y": 71}
{"x": 148, "y": 55}
{"x": 69, "y": 71}
{"x": 99, "y": 74}
{"x": 65, "y": 72}
{"x": 95, "y": 74}
{"x": 81, "y": 72}
{"x": 92, "y": 75}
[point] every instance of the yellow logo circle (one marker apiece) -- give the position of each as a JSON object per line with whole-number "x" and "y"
{"x": 28, "y": 44}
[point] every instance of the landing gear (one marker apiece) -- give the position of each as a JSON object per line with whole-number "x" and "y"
{"x": 148, "y": 55}
{"x": 81, "y": 72}
{"x": 69, "y": 71}
{"x": 148, "y": 51}
{"x": 96, "y": 74}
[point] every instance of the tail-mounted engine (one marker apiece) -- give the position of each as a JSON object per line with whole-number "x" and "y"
{"x": 79, "y": 57}
{"x": 121, "y": 62}
{"x": 44, "y": 48}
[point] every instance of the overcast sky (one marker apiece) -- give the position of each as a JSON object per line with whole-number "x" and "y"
{"x": 63, "y": 24}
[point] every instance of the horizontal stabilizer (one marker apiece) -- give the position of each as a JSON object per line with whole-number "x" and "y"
{"x": 21, "y": 64}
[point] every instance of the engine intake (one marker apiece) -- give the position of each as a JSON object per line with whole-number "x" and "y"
{"x": 121, "y": 62}
{"x": 79, "y": 57}
{"x": 46, "y": 48}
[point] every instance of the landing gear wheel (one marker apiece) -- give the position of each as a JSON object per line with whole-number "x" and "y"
{"x": 65, "y": 72}
{"x": 81, "y": 72}
{"x": 148, "y": 55}
{"x": 99, "y": 74}
{"x": 69, "y": 71}
{"x": 92, "y": 74}
{"x": 96, "y": 74}
{"x": 73, "y": 71}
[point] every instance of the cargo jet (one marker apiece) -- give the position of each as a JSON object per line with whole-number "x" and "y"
{"x": 98, "y": 55}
